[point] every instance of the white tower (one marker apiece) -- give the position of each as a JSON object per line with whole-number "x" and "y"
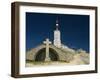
{"x": 57, "y": 40}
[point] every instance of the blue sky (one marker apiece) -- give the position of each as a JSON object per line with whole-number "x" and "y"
{"x": 74, "y": 29}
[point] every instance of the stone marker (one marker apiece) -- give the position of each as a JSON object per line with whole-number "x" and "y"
{"x": 47, "y": 42}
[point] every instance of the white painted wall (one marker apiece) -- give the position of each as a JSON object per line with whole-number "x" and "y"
{"x": 5, "y": 40}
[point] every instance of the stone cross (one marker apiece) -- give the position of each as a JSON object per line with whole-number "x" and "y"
{"x": 47, "y": 42}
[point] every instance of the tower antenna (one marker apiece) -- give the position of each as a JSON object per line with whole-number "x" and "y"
{"x": 57, "y": 23}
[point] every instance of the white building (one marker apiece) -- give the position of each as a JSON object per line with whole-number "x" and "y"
{"x": 57, "y": 36}
{"x": 57, "y": 39}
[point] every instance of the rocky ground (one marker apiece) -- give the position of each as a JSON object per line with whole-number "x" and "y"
{"x": 79, "y": 59}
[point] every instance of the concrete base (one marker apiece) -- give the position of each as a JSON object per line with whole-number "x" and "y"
{"x": 47, "y": 59}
